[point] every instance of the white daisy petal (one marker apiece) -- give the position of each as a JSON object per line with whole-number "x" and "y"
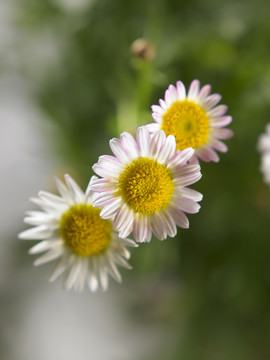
{"x": 179, "y": 217}
{"x": 158, "y": 227}
{"x": 36, "y": 233}
{"x": 71, "y": 230}
{"x": 191, "y": 194}
{"x": 49, "y": 256}
{"x": 156, "y": 144}
{"x": 167, "y": 150}
{"x": 78, "y": 195}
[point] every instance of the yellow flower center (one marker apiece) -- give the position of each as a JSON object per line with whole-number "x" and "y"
{"x": 146, "y": 186}
{"x": 83, "y": 230}
{"x": 189, "y": 124}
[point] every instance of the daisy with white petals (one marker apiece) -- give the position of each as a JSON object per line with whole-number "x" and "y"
{"x": 264, "y": 148}
{"x": 71, "y": 230}
{"x": 194, "y": 119}
{"x": 143, "y": 187}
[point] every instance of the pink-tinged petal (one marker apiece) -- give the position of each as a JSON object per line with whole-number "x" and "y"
{"x": 127, "y": 227}
{"x": 193, "y": 160}
{"x": 157, "y": 109}
{"x": 36, "y": 233}
{"x": 208, "y": 154}
{"x": 187, "y": 180}
{"x": 143, "y": 140}
{"x": 122, "y": 217}
{"x": 99, "y": 185}
{"x": 152, "y": 127}
{"x": 194, "y": 89}
{"x": 140, "y": 228}
{"x": 170, "y": 95}
{"x": 148, "y": 231}
{"x": 109, "y": 210}
{"x": 185, "y": 170}
{"x": 158, "y": 227}
{"x": 211, "y": 101}
{"x": 220, "y": 146}
{"x": 105, "y": 172}
{"x": 181, "y": 157}
{"x": 221, "y": 121}
{"x": 110, "y": 164}
{"x": 167, "y": 151}
{"x": 157, "y": 141}
{"x": 129, "y": 145}
{"x": 187, "y": 205}
{"x": 163, "y": 104}
{"x": 191, "y": 194}
{"x": 217, "y": 111}
{"x": 103, "y": 199}
{"x": 204, "y": 92}
{"x": 181, "y": 91}
{"x": 169, "y": 223}
{"x": 179, "y": 217}
{"x": 118, "y": 151}
{"x": 223, "y": 134}
{"x": 158, "y": 118}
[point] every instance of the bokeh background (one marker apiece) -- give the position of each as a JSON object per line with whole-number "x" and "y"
{"x": 71, "y": 78}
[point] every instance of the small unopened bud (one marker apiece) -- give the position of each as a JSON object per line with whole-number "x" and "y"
{"x": 143, "y": 49}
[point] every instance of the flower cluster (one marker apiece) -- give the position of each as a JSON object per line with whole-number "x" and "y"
{"x": 141, "y": 191}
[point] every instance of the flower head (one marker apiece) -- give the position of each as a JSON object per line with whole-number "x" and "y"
{"x": 71, "y": 230}
{"x": 264, "y": 148}
{"x": 194, "y": 120}
{"x": 143, "y": 187}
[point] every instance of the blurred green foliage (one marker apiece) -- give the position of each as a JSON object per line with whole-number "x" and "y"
{"x": 209, "y": 286}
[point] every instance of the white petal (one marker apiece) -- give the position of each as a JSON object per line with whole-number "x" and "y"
{"x": 207, "y": 154}
{"x": 105, "y": 172}
{"x": 223, "y": 133}
{"x": 103, "y": 199}
{"x": 76, "y": 191}
{"x": 221, "y": 121}
{"x": 49, "y": 256}
{"x": 220, "y": 146}
{"x": 63, "y": 191}
{"x": 60, "y": 267}
{"x": 45, "y": 245}
{"x": 36, "y": 233}
{"x": 73, "y": 274}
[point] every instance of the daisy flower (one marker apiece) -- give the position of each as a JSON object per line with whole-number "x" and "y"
{"x": 71, "y": 230}
{"x": 143, "y": 187}
{"x": 264, "y": 148}
{"x": 194, "y": 119}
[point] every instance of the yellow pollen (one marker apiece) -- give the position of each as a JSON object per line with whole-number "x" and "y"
{"x": 189, "y": 124}
{"x": 83, "y": 230}
{"x": 146, "y": 186}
